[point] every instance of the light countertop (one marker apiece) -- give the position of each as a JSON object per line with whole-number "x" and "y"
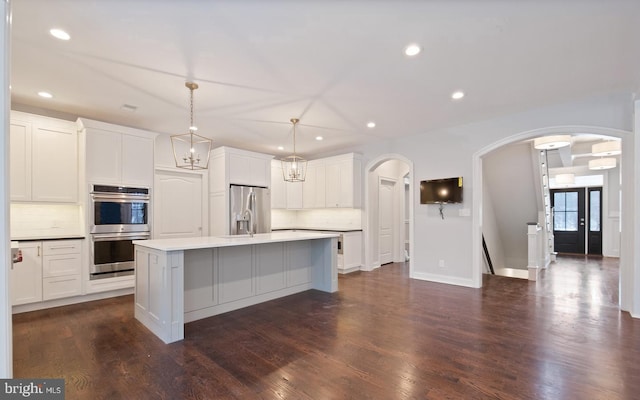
{"x": 47, "y": 237}
{"x": 226, "y": 241}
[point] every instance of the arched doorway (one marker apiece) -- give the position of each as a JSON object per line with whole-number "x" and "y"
{"x": 388, "y": 171}
{"x": 626, "y": 256}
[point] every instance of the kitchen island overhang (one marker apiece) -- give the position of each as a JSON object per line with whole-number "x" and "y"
{"x": 186, "y": 279}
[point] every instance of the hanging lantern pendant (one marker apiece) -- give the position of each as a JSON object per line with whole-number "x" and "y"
{"x": 294, "y": 168}
{"x": 190, "y": 145}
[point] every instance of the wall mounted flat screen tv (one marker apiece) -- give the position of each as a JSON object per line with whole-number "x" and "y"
{"x": 439, "y": 191}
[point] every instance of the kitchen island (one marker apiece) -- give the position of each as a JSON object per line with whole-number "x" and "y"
{"x": 185, "y": 279}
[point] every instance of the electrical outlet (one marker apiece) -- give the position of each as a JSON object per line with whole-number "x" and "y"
{"x": 441, "y": 264}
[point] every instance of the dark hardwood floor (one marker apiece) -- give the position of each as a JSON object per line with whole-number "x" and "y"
{"x": 382, "y": 336}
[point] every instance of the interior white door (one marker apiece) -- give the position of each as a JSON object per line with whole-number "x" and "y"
{"x": 178, "y": 205}
{"x": 385, "y": 220}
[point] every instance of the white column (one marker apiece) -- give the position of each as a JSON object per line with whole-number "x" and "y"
{"x": 6, "y": 344}
{"x": 533, "y": 256}
{"x": 630, "y": 217}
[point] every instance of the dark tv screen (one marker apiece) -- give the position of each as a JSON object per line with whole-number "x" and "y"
{"x": 438, "y": 191}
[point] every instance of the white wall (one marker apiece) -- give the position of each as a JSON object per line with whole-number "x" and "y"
{"x": 42, "y": 220}
{"x": 451, "y": 152}
{"x": 6, "y": 345}
{"x": 320, "y": 219}
{"x": 509, "y": 177}
{"x": 491, "y": 232}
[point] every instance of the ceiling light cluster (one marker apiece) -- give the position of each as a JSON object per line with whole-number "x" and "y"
{"x": 603, "y": 149}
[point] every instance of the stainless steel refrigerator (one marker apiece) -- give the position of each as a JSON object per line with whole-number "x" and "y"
{"x": 250, "y": 210}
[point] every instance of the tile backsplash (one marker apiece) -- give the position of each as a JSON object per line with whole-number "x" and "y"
{"x": 326, "y": 219}
{"x": 32, "y": 220}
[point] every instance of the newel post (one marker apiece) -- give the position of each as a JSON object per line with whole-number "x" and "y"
{"x": 533, "y": 256}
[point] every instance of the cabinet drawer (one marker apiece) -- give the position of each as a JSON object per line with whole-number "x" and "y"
{"x": 63, "y": 286}
{"x": 59, "y": 265}
{"x": 54, "y": 247}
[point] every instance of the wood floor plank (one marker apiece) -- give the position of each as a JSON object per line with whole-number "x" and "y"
{"x": 382, "y": 336}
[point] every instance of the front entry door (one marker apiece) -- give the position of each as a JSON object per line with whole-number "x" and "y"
{"x": 568, "y": 220}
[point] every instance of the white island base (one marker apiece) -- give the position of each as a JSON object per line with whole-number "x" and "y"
{"x": 183, "y": 280}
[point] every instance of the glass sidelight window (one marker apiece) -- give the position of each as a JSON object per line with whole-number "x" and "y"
{"x": 565, "y": 211}
{"x": 594, "y": 210}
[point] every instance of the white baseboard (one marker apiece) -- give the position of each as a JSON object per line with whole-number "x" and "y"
{"x": 41, "y": 305}
{"x": 349, "y": 270}
{"x": 450, "y": 280}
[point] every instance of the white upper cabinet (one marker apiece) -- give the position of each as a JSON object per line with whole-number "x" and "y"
{"x": 137, "y": 160}
{"x": 334, "y": 182}
{"x": 278, "y": 190}
{"x": 247, "y": 169}
{"x": 20, "y": 159}
{"x": 294, "y": 195}
{"x": 314, "y": 186}
{"x": 117, "y": 154}
{"x": 104, "y": 156}
{"x": 343, "y": 181}
{"x": 44, "y": 161}
{"x": 229, "y": 166}
{"x": 284, "y": 195}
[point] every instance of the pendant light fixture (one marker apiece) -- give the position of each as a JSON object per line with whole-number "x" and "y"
{"x": 294, "y": 168}
{"x": 551, "y": 142}
{"x": 191, "y": 151}
{"x": 609, "y": 148}
{"x": 602, "y": 163}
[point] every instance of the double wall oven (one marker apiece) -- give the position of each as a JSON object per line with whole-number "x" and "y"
{"x": 119, "y": 215}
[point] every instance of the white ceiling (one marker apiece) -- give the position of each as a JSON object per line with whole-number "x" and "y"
{"x": 334, "y": 64}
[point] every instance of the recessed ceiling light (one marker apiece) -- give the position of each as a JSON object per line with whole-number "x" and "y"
{"x": 280, "y": 148}
{"x": 59, "y": 34}
{"x": 46, "y": 95}
{"x": 457, "y": 95}
{"x": 371, "y": 124}
{"x": 319, "y": 138}
{"x": 412, "y": 50}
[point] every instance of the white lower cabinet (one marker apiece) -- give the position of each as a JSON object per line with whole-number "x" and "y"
{"x": 270, "y": 268}
{"x": 61, "y": 266}
{"x": 227, "y": 278}
{"x": 49, "y": 270}
{"x": 301, "y": 264}
{"x": 351, "y": 258}
{"x": 26, "y": 276}
{"x": 235, "y": 274}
